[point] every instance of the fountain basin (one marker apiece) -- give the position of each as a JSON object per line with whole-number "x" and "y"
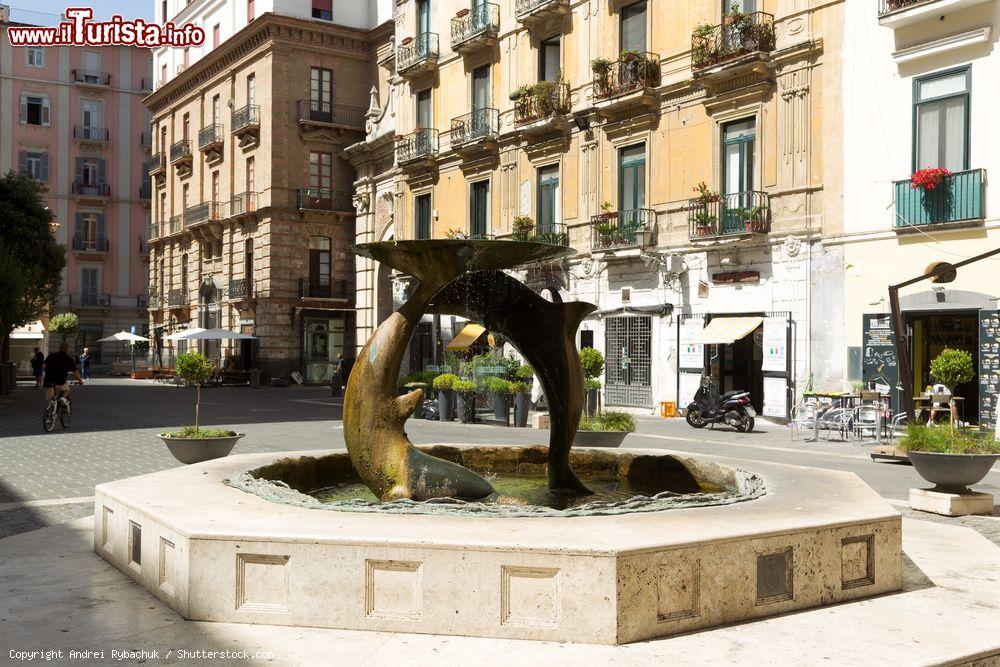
{"x": 216, "y": 553}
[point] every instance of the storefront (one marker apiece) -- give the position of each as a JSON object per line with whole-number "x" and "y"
{"x": 323, "y": 338}
{"x": 23, "y": 342}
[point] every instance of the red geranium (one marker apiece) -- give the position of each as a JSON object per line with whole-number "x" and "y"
{"x": 928, "y": 179}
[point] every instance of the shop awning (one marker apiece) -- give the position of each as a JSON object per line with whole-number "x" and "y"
{"x": 34, "y": 331}
{"x": 728, "y": 330}
{"x": 466, "y": 337}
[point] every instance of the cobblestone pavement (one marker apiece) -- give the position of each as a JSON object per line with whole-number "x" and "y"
{"x": 115, "y": 422}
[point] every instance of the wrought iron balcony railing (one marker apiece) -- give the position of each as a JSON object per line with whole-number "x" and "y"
{"x": 91, "y": 189}
{"x": 525, "y": 8}
{"x": 246, "y": 118}
{"x": 242, "y": 204}
{"x": 480, "y": 21}
{"x": 153, "y": 231}
{"x": 323, "y": 199}
{"x": 740, "y": 34}
{"x": 180, "y": 151}
{"x": 633, "y": 71}
{"x": 420, "y": 50}
{"x": 890, "y": 6}
{"x": 621, "y": 229}
{"x": 88, "y": 133}
{"x": 343, "y": 115}
{"x": 731, "y": 214}
{"x": 210, "y": 135}
{"x": 553, "y": 233}
{"x": 240, "y": 288}
{"x": 202, "y": 212}
{"x": 177, "y": 297}
{"x": 156, "y": 163}
{"x": 959, "y": 197}
{"x": 478, "y": 125}
{"x": 154, "y": 300}
{"x": 322, "y": 289}
{"x": 175, "y": 225}
{"x": 542, "y": 100}
{"x": 90, "y": 300}
{"x": 91, "y": 77}
{"x": 419, "y": 145}
{"x": 85, "y": 244}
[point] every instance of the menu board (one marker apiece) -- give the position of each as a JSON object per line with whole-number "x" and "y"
{"x": 879, "y": 363}
{"x": 692, "y": 353}
{"x": 989, "y": 366}
{"x": 775, "y": 345}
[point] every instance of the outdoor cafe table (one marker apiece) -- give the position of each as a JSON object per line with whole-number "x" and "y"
{"x": 933, "y": 410}
{"x": 842, "y": 400}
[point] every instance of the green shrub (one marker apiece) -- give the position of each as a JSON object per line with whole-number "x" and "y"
{"x": 593, "y": 384}
{"x": 524, "y": 372}
{"x": 943, "y": 440}
{"x": 64, "y": 324}
{"x": 607, "y": 421}
{"x": 952, "y": 368}
{"x": 592, "y": 362}
{"x": 425, "y": 377}
{"x": 192, "y": 432}
{"x": 445, "y": 381}
{"x": 195, "y": 369}
{"x": 496, "y": 385}
{"x": 518, "y": 387}
{"x": 463, "y": 386}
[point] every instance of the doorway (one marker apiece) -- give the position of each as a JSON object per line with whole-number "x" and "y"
{"x": 930, "y": 333}
{"x": 740, "y": 366}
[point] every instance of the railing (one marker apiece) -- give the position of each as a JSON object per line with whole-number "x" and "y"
{"x": 553, "y": 233}
{"x": 418, "y": 145}
{"x": 334, "y": 289}
{"x": 422, "y": 48}
{"x": 243, "y": 203}
{"x": 740, "y": 34}
{"x": 146, "y": 191}
{"x": 202, "y": 212}
{"x": 482, "y": 19}
{"x": 524, "y": 7}
{"x": 92, "y": 77}
{"x": 959, "y": 197}
{"x": 88, "y": 133}
{"x": 180, "y": 151}
{"x": 240, "y": 288}
{"x": 175, "y": 225}
{"x": 246, "y": 118}
{"x": 723, "y": 215}
{"x": 84, "y": 244}
{"x": 622, "y": 228}
{"x": 156, "y": 163}
{"x": 209, "y": 135}
{"x": 153, "y": 231}
{"x": 542, "y": 100}
{"x": 634, "y": 71}
{"x": 91, "y": 189}
{"x": 317, "y": 111}
{"x": 142, "y": 301}
{"x": 477, "y": 125}
{"x": 323, "y": 199}
{"x": 177, "y": 297}
{"x": 889, "y": 6}
{"x": 90, "y": 300}
{"x": 154, "y": 300}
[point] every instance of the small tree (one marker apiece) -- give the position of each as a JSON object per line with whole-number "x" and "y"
{"x": 195, "y": 369}
{"x": 64, "y": 324}
{"x": 593, "y": 363}
{"x": 952, "y": 368}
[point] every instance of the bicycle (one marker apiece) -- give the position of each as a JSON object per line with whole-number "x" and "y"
{"x": 55, "y": 408}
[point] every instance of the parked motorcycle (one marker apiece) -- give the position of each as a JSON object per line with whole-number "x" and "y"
{"x": 732, "y": 408}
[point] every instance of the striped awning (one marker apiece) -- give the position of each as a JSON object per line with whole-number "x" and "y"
{"x": 466, "y": 337}
{"x": 728, "y": 330}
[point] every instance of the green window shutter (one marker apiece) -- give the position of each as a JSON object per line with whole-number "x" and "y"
{"x": 22, "y": 162}
{"x": 45, "y": 168}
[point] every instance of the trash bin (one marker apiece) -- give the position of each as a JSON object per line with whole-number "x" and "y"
{"x": 255, "y": 378}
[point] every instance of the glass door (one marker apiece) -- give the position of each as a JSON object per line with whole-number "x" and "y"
{"x": 738, "y": 158}
{"x": 479, "y": 209}
{"x": 480, "y": 101}
{"x": 548, "y": 200}
{"x": 423, "y": 19}
{"x": 631, "y": 191}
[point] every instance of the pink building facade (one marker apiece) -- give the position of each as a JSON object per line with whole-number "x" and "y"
{"x": 73, "y": 117}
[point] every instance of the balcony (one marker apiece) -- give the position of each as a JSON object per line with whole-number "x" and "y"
{"x": 152, "y": 231}
{"x": 900, "y": 13}
{"x": 417, "y": 149}
{"x": 205, "y": 212}
{"x": 240, "y": 289}
{"x": 157, "y": 165}
{"x": 246, "y": 125}
{"x": 91, "y": 78}
{"x": 628, "y": 229}
{"x": 739, "y": 46}
{"x": 87, "y": 190}
{"x": 959, "y": 200}
{"x": 86, "y": 134}
{"x": 328, "y": 122}
{"x": 90, "y": 300}
{"x": 475, "y": 131}
{"x": 712, "y": 215}
{"x": 211, "y": 141}
{"x": 243, "y": 205}
{"x": 324, "y": 199}
{"x": 90, "y": 245}
{"x": 542, "y": 109}
{"x": 554, "y": 233}
{"x": 534, "y": 13}
{"x": 627, "y": 83}
{"x": 180, "y": 157}
{"x": 154, "y": 301}
{"x": 316, "y": 289}
{"x": 177, "y": 298}
{"x": 475, "y": 28}
{"x": 175, "y": 225}
{"x": 417, "y": 55}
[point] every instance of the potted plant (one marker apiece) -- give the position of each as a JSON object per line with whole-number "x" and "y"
{"x": 603, "y": 429}
{"x": 951, "y": 459}
{"x": 952, "y": 368}
{"x": 606, "y": 212}
{"x": 928, "y": 179}
{"x": 465, "y": 399}
{"x": 444, "y": 384}
{"x": 193, "y": 444}
{"x": 523, "y": 226}
{"x": 753, "y": 218}
{"x": 521, "y": 388}
{"x": 519, "y": 92}
{"x": 593, "y": 366}
{"x": 498, "y": 389}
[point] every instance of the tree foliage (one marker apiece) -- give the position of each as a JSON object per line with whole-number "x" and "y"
{"x": 952, "y": 368}
{"x": 64, "y": 324}
{"x": 593, "y": 363}
{"x": 194, "y": 368}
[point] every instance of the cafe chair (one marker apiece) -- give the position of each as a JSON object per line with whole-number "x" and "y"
{"x": 835, "y": 419}
{"x": 867, "y": 422}
{"x": 803, "y": 418}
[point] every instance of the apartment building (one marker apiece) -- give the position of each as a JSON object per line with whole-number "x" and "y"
{"x": 919, "y": 87}
{"x": 689, "y": 153}
{"x": 253, "y": 205}
{"x": 72, "y": 117}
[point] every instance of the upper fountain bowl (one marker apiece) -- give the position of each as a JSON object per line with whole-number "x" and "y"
{"x": 456, "y": 256}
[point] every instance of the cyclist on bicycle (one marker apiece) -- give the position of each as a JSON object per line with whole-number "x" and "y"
{"x": 57, "y": 367}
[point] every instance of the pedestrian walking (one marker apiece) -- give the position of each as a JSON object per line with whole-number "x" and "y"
{"x": 37, "y": 359}
{"x": 339, "y": 374}
{"x": 85, "y": 363}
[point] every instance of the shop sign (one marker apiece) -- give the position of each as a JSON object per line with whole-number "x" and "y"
{"x": 989, "y": 366}
{"x": 776, "y": 397}
{"x": 775, "y": 344}
{"x": 692, "y": 353}
{"x": 736, "y": 277}
{"x": 689, "y": 384}
{"x": 879, "y": 363}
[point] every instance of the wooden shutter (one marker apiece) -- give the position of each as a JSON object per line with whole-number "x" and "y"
{"x": 79, "y": 170}
{"x": 102, "y": 231}
{"x": 45, "y": 112}
{"x": 78, "y": 227}
{"x": 22, "y": 162}
{"x": 24, "y": 109}
{"x": 102, "y": 171}
{"x": 45, "y": 168}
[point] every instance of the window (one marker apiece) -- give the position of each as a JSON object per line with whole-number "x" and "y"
{"x": 548, "y": 60}
{"x": 163, "y": 11}
{"x": 319, "y": 266}
{"x": 186, "y": 127}
{"x": 89, "y": 171}
{"x": 163, "y": 207}
{"x": 422, "y": 216}
{"x": 163, "y": 74}
{"x": 742, "y": 6}
{"x": 633, "y": 27}
{"x": 739, "y": 149}
{"x": 89, "y": 280}
{"x": 631, "y": 185}
{"x": 92, "y": 117}
{"x": 92, "y": 66}
{"x": 248, "y": 264}
{"x": 215, "y": 36}
{"x": 548, "y": 199}
{"x": 479, "y": 209}
{"x": 320, "y": 172}
{"x": 35, "y": 163}
{"x": 163, "y": 142}
{"x": 217, "y": 110}
{"x": 163, "y": 279}
{"x": 322, "y": 9}
{"x": 187, "y": 57}
{"x": 250, "y": 14}
{"x": 251, "y": 89}
{"x": 250, "y": 177}
{"x": 481, "y": 87}
{"x": 423, "y": 16}
{"x": 941, "y": 120}
{"x": 215, "y": 186}
{"x": 425, "y": 113}
{"x": 90, "y": 232}
{"x": 184, "y": 197}
{"x": 320, "y": 93}
{"x": 34, "y": 110}
{"x": 184, "y": 272}
{"x": 34, "y": 57}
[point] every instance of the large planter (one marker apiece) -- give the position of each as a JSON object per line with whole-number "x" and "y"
{"x": 196, "y": 450}
{"x": 599, "y": 438}
{"x": 952, "y": 473}
{"x": 501, "y": 412}
{"x": 466, "y": 404}
{"x": 592, "y": 398}
{"x": 446, "y": 405}
{"x": 522, "y": 404}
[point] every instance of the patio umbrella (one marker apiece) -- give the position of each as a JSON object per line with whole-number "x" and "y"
{"x": 210, "y": 334}
{"x": 182, "y": 335}
{"x": 125, "y": 337}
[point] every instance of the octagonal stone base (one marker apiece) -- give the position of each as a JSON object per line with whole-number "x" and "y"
{"x": 215, "y": 553}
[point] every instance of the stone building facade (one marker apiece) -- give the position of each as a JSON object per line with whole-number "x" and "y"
{"x": 252, "y": 202}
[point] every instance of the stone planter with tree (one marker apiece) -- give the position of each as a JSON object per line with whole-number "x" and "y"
{"x": 524, "y": 377}
{"x": 952, "y": 368}
{"x": 193, "y": 444}
{"x": 465, "y": 400}
{"x": 604, "y": 429}
{"x": 593, "y": 366}
{"x": 498, "y": 390}
{"x": 952, "y": 459}
{"x": 444, "y": 384}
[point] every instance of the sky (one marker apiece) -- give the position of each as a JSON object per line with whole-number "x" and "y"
{"x": 46, "y": 12}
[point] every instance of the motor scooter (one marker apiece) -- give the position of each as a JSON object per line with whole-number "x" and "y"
{"x": 732, "y": 408}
